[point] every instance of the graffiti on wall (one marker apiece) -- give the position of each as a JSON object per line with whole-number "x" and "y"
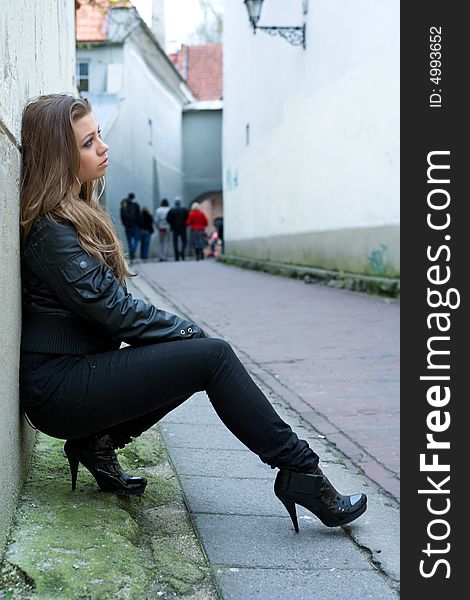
{"x": 377, "y": 259}
{"x": 231, "y": 179}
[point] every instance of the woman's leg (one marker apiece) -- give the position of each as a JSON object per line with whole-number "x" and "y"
{"x": 125, "y": 392}
{"x": 107, "y": 399}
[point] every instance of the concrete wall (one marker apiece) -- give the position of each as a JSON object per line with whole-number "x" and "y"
{"x": 36, "y": 56}
{"x": 202, "y": 152}
{"x": 311, "y": 137}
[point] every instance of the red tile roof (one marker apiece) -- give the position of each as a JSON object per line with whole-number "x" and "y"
{"x": 201, "y": 67}
{"x": 92, "y": 18}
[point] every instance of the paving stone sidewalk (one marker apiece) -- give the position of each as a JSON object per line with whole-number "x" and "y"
{"x": 209, "y": 525}
{"x": 245, "y": 531}
{"x": 332, "y": 354}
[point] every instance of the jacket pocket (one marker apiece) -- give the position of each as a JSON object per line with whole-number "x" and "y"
{"x": 89, "y": 278}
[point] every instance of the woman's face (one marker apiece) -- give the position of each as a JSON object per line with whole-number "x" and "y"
{"x": 93, "y": 151}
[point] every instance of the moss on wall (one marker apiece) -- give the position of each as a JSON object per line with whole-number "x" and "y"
{"x": 93, "y": 545}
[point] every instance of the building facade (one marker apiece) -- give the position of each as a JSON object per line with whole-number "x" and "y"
{"x": 201, "y": 67}
{"x": 311, "y": 136}
{"x": 137, "y": 97}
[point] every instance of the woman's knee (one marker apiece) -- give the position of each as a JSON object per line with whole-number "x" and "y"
{"x": 219, "y": 345}
{"x": 220, "y": 360}
{"x": 218, "y": 350}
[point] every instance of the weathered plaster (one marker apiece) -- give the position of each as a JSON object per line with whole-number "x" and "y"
{"x": 371, "y": 251}
{"x": 36, "y": 56}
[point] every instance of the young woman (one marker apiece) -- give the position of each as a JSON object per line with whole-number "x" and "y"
{"x": 75, "y": 381}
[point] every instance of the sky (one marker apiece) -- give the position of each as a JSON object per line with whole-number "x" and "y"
{"x": 181, "y": 19}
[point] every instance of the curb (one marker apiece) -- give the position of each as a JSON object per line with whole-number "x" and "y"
{"x": 381, "y": 286}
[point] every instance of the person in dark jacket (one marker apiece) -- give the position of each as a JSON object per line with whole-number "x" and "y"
{"x": 130, "y": 217}
{"x": 176, "y": 218}
{"x": 146, "y": 231}
{"x": 76, "y": 381}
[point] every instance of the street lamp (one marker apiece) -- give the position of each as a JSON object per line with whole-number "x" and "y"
{"x": 294, "y": 35}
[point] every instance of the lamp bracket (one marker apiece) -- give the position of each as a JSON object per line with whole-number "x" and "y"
{"x": 294, "y": 35}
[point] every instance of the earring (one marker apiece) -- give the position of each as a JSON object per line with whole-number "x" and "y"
{"x": 78, "y": 181}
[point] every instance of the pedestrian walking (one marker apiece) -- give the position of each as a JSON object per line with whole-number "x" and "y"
{"x": 130, "y": 217}
{"x": 197, "y": 222}
{"x": 176, "y": 217}
{"x": 76, "y": 383}
{"x": 163, "y": 229}
{"x": 146, "y": 232}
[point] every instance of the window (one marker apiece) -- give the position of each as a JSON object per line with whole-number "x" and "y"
{"x": 83, "y": 76}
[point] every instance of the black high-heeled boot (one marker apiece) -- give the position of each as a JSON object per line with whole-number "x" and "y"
{"x": 314, "y": 492}
{"x": 99, "y": 457}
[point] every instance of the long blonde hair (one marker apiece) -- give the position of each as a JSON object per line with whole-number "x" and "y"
{"x": 50, "y": 164}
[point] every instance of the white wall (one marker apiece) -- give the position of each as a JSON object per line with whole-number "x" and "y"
{"x": 141, "y": 120}
{"x": 36, "y": 57}
{"x": 99, "y": 59}
{"x": 140, "y": 151}
{"x": 319, "y": 181}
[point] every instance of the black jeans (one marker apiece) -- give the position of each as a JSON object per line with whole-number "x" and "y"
{"x": 133, "y": 237}
{"x": 124, "y": 392}
{"x": 184, "y": 240}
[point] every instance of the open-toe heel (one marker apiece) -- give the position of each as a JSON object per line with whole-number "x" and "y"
{"x": 314, "y": 492}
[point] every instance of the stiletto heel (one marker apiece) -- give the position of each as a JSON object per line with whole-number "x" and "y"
{"x": 290, "y": 507}
{"x": 73, "y": 462}
{"x": 314, "y": 492}
{"x": 99, "y": 457}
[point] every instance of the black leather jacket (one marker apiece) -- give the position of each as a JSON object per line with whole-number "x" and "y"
{"x": 73, "y": 304}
